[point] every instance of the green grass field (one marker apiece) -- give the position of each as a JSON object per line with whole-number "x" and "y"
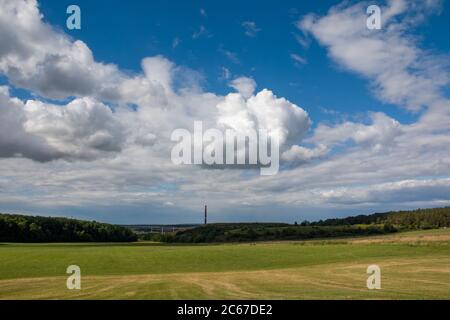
{"x": 414, "y": 266}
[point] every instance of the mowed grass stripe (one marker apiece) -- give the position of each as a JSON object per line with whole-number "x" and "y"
{"x": 401, "y": 279}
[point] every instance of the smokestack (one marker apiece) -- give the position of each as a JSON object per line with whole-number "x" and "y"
{"x": 206, "y": 214}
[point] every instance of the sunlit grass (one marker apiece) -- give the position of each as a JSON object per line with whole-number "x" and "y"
{"x": 418, "y": 267}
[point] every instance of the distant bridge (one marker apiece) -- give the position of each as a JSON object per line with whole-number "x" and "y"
{"x": 159, "y": 229}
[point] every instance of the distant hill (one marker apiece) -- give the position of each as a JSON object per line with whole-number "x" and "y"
{"x": 19, "y": 228}
{"x": 416, "y": 219}
{"x": 260, "y": 232}
{"x": 363, "y": 225}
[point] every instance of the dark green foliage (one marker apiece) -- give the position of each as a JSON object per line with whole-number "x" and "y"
{"x": 262, "y": 232}
{"x": 18, "y": 228}
{"x": 411, "y": 220}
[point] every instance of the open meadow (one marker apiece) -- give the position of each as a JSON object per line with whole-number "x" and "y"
{"x": 414, "y": 265}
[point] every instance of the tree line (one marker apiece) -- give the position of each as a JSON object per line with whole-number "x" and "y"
{"x": 19, "y": 228}
{"x": 410, "y": 220}
{"x": 255, "y": 232}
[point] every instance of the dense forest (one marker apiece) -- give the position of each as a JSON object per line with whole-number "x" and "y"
{"x": 18, "y": 228}
{"x": 409, "y": 220}
{"x": 262, "y": 232}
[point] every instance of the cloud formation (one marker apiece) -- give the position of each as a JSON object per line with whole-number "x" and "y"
{"x": 251, "y": 30}
{"x": 36, "y": 57}
{"x": 105, "y": 138}
{"x": 15, "y": 141}
{"x": 401, "y": 72}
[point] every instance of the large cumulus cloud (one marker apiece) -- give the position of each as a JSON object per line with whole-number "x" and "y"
{"x": 35, "y": 56}
{"x": 165, "y": 96}
{"x": 83, "y": 129}
{"x": 15, "y": 141}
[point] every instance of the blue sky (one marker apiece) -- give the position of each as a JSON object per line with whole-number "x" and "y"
{"x": 379, "y": 132}
{"x": 122, "y": 33}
